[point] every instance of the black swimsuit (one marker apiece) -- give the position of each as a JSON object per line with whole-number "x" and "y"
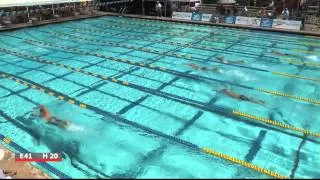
{"x": 57, "y": 121}
{"x": 245, "y": 98}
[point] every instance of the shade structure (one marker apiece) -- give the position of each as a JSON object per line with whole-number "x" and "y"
{"x": 226, "y": 2}
{"x": 12, "y": 3}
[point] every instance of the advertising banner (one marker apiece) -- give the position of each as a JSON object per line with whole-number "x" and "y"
{"x": 230, "y": 19}
{"x": 206, "y": 17}
{"x": 286, "y": 24}
{"x": 266, "y": 22}
{"x": 249, "y": 21}
{"x": 181, "y": 15}
{"x": 196, "y": 16}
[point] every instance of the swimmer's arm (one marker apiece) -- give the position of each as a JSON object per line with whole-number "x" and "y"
{"x": 261, "y": 102}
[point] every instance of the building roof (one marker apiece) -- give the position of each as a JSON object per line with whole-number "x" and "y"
{"x": 12, "y": 3}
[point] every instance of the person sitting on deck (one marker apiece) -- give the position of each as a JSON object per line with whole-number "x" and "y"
{"x": 196, "y": 67}
{"x": 45, "y": 114}
{"x": 241, "y": 97}
{"x": 221, "y": 59}
{"x": 6, "y": 174}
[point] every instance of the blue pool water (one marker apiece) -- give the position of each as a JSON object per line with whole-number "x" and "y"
{"x": 175, "y": 100}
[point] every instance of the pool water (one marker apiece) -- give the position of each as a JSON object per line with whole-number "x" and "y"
{"x": 152, "y": 85}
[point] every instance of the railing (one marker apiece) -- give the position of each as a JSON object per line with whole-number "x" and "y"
{"x": 34, "y": 15}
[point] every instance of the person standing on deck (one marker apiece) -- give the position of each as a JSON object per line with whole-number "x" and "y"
{"x": 286, "y": 13}
{"x": 159, "y": 9}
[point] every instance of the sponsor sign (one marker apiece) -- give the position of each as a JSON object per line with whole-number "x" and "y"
{"x": 249, "y": 21}
{"x": 230, "y": 19}
{"x": 196, "y": 16}
{"x": 181, "y": 15}
{"x": 266, "y": 22}
{"x": 206, "y": 17}
{"x": 286, "y": 24}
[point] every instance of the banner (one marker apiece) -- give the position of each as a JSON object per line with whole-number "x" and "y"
{"x": 181, "y": 15}
{"x": 249, "y": 21}
{"x": 196, "y": 16}
{"x": 266, "y": 22}
{"x": 230, "y": 19}
{"x": 12, "y": 3}
{"x": 206, "y": 17}
{"x": 286, "y": 24}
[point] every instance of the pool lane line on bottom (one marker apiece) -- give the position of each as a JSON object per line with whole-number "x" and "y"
{"x": 190, "y": 44}
{"x": 44, "y": 165}
{"x": 158, "y": 68}
{"x": 180, "y": 44}
{"x": 187, "y": 44}
{"x": 218, "y": 27}
{"x": 103, "y": 26}
{"x": 129, "y": 21}
{"x": 225, "y": 34}
{"x": 24, "y": 128}
{"x": 232, "y": 30}
{"x": 215, "y": 40}
{"x": 171, "y": 54}
{"x": 119, "y": 118}
{"x": 183, "y": 100}
{"x": 179, "y": 56}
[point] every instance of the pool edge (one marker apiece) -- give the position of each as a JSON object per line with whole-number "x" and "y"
{"x": 300, "y": 32}
{"x": 101, "y": 13}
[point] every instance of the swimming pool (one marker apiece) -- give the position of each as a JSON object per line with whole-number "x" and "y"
{"x": 141, "y": 111}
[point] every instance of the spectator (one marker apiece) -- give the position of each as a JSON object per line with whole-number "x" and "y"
{"x": 244, "y": 12}
{"x": 286, "y": 13}
{"x": 159, "y": 9}
{"x": 7, "y": 174}
{"x": 235, "y": 10}
{"x": 262, "y": 12}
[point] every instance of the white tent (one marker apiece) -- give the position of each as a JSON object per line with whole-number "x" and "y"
{"x": 226, "y": 2}
{"x": 11, "y": 3}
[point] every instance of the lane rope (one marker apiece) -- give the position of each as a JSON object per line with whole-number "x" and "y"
{"x": 188, "y": 75}
{"x": 177, "y": 98}
{"x": 147, "y": 129}
{"x": 44, "y": 165}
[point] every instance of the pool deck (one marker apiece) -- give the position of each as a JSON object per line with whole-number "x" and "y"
{"x": 308, "y": 33}
{"x": 100, "y": 14}
{"x": 24, "y": 170}
{"x": 51, "y": 21}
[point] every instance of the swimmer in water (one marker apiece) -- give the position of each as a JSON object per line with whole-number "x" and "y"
{"x": 196, "y": 67}
{"x": 241, "y": 97}
{"x": 45, "y": 114}
{"x": 284, "y": 54}
{"x": 221, "y": 59}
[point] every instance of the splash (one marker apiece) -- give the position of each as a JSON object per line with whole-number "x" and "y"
{"x": 313, "y": 58}
{"x": 73, "y": 127}
{"x": 240, "y": 75}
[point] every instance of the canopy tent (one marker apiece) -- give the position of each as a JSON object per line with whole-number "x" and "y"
{"x": 11, "y": 3}
{"x": 226, "y": 2}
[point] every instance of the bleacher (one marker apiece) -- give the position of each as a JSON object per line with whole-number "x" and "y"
{"x": 211, "y": 9}
{"x": 120, "y": 6}
{"x": 20, "y": 12}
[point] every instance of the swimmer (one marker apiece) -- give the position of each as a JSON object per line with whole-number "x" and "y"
{"x": 196, "y": 67}
{"x": 45, "y": 114}
{"x": 221, "y": 59}
{"x": 241, "y": 97}
{"x": 284, "y": 54}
